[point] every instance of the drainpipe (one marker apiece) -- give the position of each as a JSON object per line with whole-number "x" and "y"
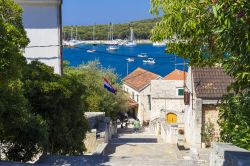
{"x": 60, "y": 37}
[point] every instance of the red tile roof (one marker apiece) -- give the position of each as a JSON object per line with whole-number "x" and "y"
{"x": 210, "y": 83}
{"x": 176, "y": 75}
{"x": 140, "y": 78}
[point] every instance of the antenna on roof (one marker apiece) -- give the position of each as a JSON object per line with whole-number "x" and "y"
{"x": 175, "y": 62}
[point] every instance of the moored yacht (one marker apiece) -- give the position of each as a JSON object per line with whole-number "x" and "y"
{"x": 149, "y": 61}
{"x": 91, "y": 50}
{"x": 159, "y": 44}
{"x": 130, "y": 59}
{"x": 143, "y": 55}
{"x": 112, "y": 48}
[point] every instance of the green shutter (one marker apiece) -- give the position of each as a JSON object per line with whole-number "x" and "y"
{"x": 180, "y": 92}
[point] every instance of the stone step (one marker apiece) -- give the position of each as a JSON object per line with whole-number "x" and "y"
{"x": 115, "y": 161}
{"x": 148, "y": 161}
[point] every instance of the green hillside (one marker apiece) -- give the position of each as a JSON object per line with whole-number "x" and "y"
{"x": 142, "y": 30}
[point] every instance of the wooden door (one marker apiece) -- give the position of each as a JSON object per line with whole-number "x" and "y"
{"x": 171, "y": 118}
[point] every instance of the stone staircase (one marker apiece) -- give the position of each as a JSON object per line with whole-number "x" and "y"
{"x": 126, "y": 149}
{"x": 143, "y": 148}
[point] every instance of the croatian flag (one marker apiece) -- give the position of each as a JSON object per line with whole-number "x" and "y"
{"x": 108, "y": 86}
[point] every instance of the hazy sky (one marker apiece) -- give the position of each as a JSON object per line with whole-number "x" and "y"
{"x": 89, "y": 12}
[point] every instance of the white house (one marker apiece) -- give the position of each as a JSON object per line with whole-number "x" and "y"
{"x": 42, "y": 22}
{"x": 137, "y": 85}
{"x": 168, "y": 106}
{"x": 205, "y": 87}
{"x": 168, "y": 97}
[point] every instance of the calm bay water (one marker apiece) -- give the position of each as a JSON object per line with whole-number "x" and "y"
{"x": 165, "y": 63}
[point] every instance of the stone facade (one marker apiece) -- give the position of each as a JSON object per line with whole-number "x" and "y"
{"x": 101, "y": 131}
{"x": 165, "y": 99}
{"x": 206, "y": 86}
{"x": 210, "y": 113}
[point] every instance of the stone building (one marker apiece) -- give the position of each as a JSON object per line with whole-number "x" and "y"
{"x": 137, "y": 85}
{"x": 42, "y": 21}
{"x": 167, "y": 97}
{"x": 203, "y": 91}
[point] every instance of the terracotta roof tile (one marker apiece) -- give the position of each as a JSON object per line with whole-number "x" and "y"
{"x": 139, "y": 78}
{"x": 176, "y": 75}
{"x": 210, "y": 83}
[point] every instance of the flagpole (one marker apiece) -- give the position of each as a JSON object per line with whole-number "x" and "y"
{"x": 127, "y": 68}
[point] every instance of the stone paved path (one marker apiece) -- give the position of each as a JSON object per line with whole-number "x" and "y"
{"x": 144, "y": 149}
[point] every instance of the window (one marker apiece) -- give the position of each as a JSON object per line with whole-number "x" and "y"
{"x": 149, "y": 102}
{"x": 133, "y": 95}
{"x": 137, "y": 98}
{"x": 180, "y": 92}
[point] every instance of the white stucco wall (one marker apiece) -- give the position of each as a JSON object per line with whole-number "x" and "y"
{"x": 165, "y": 99}
{"x": 143, "y": 105}
{"x": 40, "y": 19}
{"x": 192, "y": 115}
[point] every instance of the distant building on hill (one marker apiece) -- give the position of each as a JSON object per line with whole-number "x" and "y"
{"x": 137, "y": 85}
{"x": 42, "y": 22}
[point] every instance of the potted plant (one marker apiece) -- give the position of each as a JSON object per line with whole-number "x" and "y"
{"x": 207, "y": 134}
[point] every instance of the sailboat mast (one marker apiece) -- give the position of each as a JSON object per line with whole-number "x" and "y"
{"x": 94, "y": 32}
{"x": 108, "y": 31}
{"x": 131, "y": 34}
{"x": 71, "y": 34}
{"x": 112, "y": 32}
{"x": 76, "y": 33}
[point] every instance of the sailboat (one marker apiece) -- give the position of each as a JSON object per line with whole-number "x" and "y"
{"x": 112, "y": 46}
{"x": 131, "y": 42}
{"x": 93, "y": 38}
{"x": 73, "y": 42}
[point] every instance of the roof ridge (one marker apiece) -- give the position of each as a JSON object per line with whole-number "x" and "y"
{"x": 139, "y": 68}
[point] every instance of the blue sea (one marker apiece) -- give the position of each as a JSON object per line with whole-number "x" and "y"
{"x": 164, "y": 63}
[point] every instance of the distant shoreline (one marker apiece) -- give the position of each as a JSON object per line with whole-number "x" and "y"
{"x": 144, "y": 41}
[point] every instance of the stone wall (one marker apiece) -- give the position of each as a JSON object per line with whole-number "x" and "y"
{"x": 211, "y": 114}
{"x": 168, "y": 132}
{"x": 229, "y": 155}
{"x": 193, "y": 123}
{"x": 90, "y": 141}
{"x": 165, "y": 98}
{"x": 102, "y": 130}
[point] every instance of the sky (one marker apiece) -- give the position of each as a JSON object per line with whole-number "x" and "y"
{"x": 90, "y": 12}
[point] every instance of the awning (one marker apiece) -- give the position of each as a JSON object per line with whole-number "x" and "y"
{"x": 132, "y": 103}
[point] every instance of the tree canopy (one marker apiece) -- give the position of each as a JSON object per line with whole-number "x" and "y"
{"x": 214, "y": 32}
{"x": 142, "y": 30}
{"x": 12, "y": 40}
{"x": 98, "y": 99}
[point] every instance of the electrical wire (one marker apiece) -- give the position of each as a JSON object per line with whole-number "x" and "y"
{"x": 102, "y": 52}
{"x": 127, "y": 77}
{"x": 122, "y": 55}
